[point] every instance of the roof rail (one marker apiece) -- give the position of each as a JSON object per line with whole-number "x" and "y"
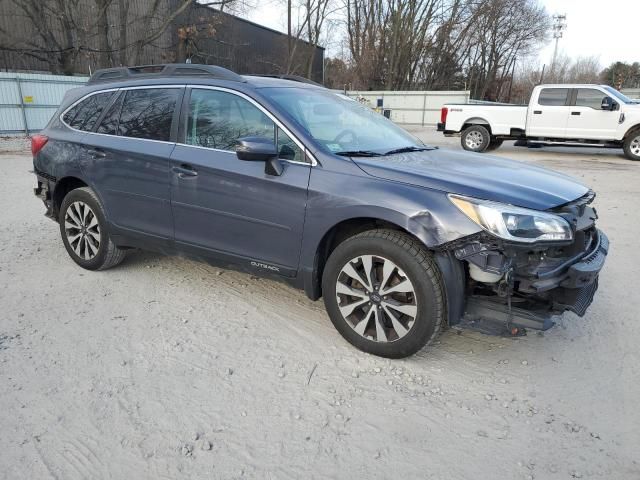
{"x": 164, "y": 70}
{"x": 293, "y": 78}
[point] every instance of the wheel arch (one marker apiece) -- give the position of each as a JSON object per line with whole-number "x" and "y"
{"x": 63, "y": 186}
{"x": 333, "y": 236}
{"x": 630, "y": 130}
{"x": 451, "y": 268}
{"x": 476, "y": 121}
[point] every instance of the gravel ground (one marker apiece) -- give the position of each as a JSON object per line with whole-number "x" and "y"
{"x": 167, "y": 368}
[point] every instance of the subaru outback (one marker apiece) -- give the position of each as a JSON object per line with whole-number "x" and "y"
{"x": 283, "y": 178}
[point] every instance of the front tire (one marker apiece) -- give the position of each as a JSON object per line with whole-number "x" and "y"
{"x": 384, "y": 293}
{"x": 475, "y": 138}
{"x": 631, "y": 145}
{"x": 85, "y": 233}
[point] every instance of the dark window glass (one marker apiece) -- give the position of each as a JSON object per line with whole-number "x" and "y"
{"x": 590, "y": 97}
{"x": 553, "y": 96}
{"x": 109, "y": 123}
{"x": 85, "y": 114}
{"x": 147, "y": 113}
{"x": 218, "y": 119}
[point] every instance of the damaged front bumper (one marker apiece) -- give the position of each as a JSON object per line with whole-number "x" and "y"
{"x": 528, "y": 285}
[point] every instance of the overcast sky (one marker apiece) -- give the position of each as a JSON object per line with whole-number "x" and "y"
{"x": 606, "y": 29}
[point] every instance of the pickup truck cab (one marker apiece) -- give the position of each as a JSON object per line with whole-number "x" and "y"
{"x": 570, "y": 115}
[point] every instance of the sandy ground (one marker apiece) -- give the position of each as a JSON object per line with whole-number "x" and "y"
{"x": 167, "y": 368}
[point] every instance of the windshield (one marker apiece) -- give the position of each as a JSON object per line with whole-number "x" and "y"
{"x": 617, "y": 94}
{"x": 339, "y": 124}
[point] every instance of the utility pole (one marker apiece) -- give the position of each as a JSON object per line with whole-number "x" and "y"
{"x": 559, "y": 25}
{"x": 288, "y": 31}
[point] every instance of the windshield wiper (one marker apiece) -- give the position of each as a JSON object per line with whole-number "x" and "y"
{"x": 359, "y": 153}
{"x": 408, "y": 149}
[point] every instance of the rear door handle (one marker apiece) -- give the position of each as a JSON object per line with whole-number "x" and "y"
{"x": 185, "y": 171}
{"x": 537, "y": 112}
{"x": 575, "y": 113}
{"x": 97, "y": 153}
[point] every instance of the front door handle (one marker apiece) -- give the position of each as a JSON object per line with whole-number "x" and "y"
{"x": 575, "y": 113}
{"x": 537, "y": 112}
{"x": 185, "y": 171}
{"x": 97, "y": 153}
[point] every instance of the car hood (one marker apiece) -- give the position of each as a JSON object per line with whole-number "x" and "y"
{"x": 477, "y": 175}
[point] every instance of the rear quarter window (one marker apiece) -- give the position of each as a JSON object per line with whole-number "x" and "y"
{"x": 85, "y": 114}
{"x": 553, "y": 97}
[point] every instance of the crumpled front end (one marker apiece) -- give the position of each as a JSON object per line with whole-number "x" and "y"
{"x": 526, "y": 285}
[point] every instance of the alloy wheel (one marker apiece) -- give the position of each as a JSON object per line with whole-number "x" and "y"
{"x": 82, "y": 230}
{"x": 376, "y": 298}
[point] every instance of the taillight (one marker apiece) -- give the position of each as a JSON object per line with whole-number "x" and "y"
{"x": 37, "y": 142}
{"x": 443, "y": 114}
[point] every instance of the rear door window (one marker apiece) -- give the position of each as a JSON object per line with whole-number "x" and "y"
{"x": 553, "y": 96}
{"x": 148, "y": 113}
{"x": 218, "y": 119}
{"x": 84, "y": 115}
{"x": 590, "y": 97}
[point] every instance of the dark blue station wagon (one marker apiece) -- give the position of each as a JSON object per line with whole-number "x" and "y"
{"x": 283, "y": 178}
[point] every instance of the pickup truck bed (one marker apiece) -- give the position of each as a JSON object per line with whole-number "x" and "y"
{"x": 503, "y": 118}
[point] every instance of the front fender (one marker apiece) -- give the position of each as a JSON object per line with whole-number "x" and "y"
{"x": 336, "y": 197}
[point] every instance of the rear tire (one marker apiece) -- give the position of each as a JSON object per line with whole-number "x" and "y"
{"x": 631, "y": 145}
{"x": 494, "y": 144}
{"x": 85, "y": 233}
{"x": 399, "y": 306}
{"x": 475, "y": 138}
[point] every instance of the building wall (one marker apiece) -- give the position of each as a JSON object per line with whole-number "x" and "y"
{"x": 412, "y": 107}
{"x": 631, "y": 92}
{"x": 243, "y": 46}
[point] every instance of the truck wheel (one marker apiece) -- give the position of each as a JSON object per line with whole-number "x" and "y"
{"x": 631, "y": 145}
{"x": 494, "y": 144}
{"x": 85, "y": 233}
{"x": 384, "y": 293}
{"x": 475, "y": 138}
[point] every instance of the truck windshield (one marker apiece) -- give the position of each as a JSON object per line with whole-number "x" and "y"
{"x": 617, "y": 94}
{"x": 341, "y": 125}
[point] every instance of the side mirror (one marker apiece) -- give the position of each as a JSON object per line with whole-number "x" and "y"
{"x": 608, "y": 104}
{"x": 255, "y": 149}
{"x": 260, "y": 149}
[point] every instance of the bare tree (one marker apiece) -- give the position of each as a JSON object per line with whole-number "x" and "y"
{"x": 400, "y": 44}
{"x": 65, "y": 34}
{"x": 312, "y": 17}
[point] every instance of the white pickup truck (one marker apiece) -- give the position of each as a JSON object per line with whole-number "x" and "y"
{"x": 571, "y": 115}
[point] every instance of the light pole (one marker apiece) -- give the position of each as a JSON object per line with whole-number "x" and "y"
{"x": 559, "y": 25}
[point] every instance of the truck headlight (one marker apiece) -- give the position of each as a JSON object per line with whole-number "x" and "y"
{"x": 514, "y": 223}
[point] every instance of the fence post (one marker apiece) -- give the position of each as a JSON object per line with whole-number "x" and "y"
{"x": 424, "y": 106}
{"x": 24, "y": 114}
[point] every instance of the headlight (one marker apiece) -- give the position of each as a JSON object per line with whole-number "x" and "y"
{"x": 514, "y": 223}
